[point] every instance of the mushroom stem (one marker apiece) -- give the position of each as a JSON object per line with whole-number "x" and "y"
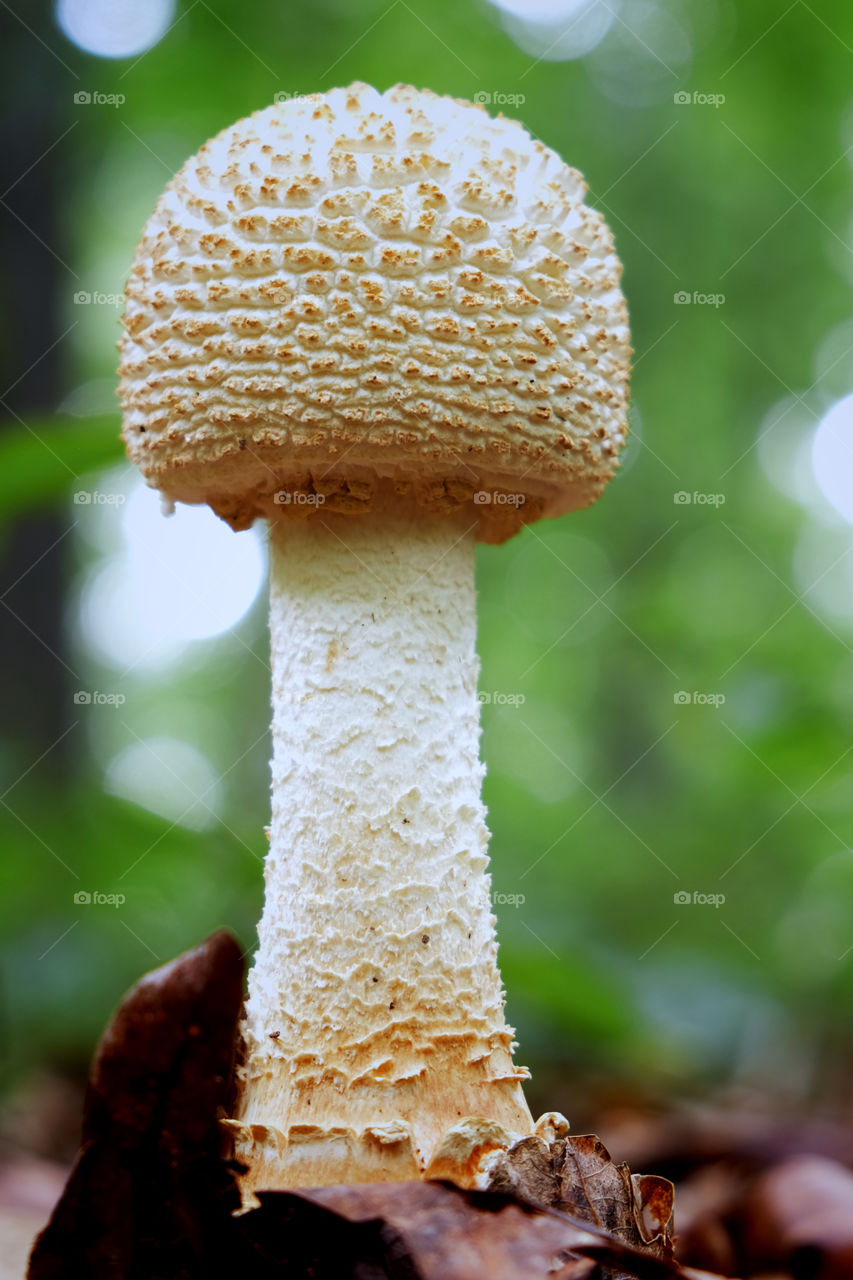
{"x": 375, "y": 1015}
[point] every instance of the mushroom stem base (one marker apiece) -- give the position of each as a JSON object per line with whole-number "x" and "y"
{"x": 427, "y": 1128}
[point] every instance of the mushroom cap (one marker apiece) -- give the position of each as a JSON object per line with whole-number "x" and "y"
{"x": 356, "y": 299}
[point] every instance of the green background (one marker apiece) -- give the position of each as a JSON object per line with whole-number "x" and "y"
{"x": 607, "y": 796}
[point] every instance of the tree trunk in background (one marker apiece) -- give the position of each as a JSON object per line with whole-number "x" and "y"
{"x": 36, "y": 688}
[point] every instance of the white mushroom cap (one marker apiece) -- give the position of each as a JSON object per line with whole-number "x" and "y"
{"x": 383, "y": 298}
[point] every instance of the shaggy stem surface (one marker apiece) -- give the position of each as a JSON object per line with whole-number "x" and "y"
{"x": 375, "y": 1014}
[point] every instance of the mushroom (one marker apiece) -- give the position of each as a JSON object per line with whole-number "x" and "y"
{"x": 389, "y": 324}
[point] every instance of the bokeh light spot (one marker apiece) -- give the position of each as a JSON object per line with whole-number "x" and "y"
{"x": 556, "y": 30}
{"x": 178, "y": 579}
{"x": 170, "y": 778}
{"x": 115, "y": 28}
{"x": 832, "y": 456}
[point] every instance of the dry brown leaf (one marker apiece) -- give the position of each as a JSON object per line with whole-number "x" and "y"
{"x": 435, "y": 1231}
{"x": 149, "y": 1196}
{"x": 577, "y": 1176}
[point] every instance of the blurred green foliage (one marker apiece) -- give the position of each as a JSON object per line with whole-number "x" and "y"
{"x": 606, "y": 796}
